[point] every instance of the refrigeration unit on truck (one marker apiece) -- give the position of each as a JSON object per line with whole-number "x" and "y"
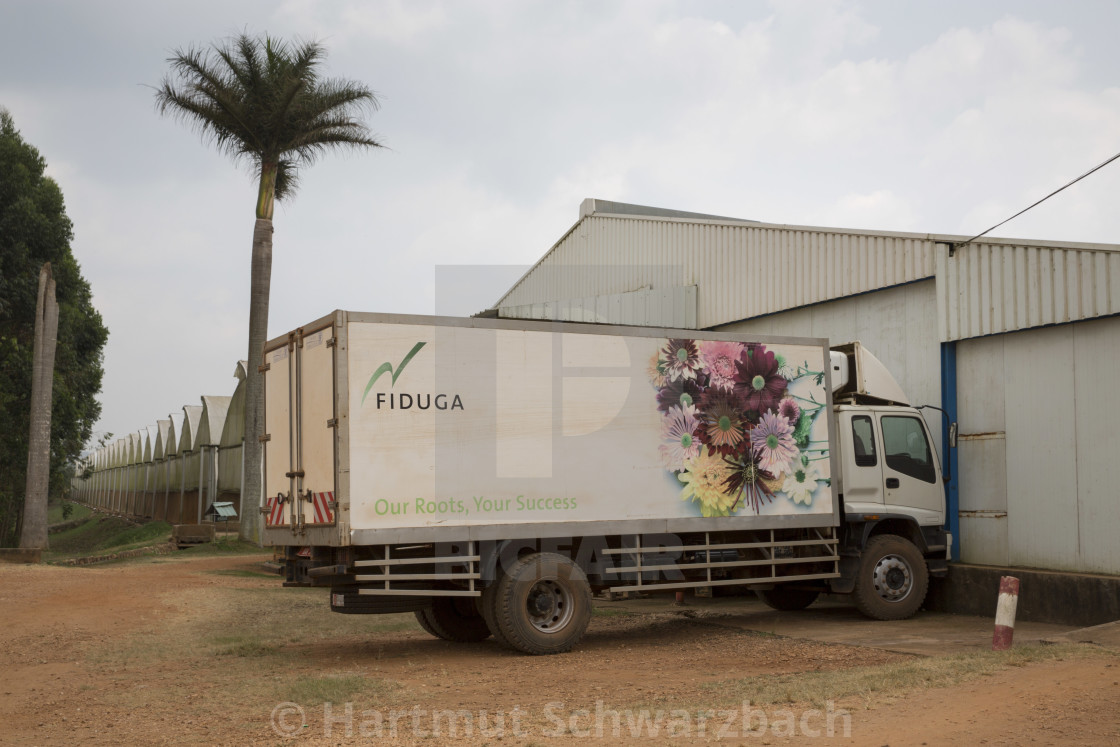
{"x": 492, "y": 475}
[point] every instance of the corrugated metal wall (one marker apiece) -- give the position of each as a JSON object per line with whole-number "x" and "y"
{"x": 1036, "y": 403}
{"x": 1037, "y": 413}
{"x": 991, "y": 288}
{"x": 743, "y": 270}
{"x": 661, "y": 307}
{"x": 896, "y": 325}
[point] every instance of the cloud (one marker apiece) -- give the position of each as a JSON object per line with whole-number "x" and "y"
{"x": 501, "y": 117}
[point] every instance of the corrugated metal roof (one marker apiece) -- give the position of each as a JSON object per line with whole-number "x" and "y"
{"x": 222, "y": 509}
{"x": 987, "y": 288}
{"x": 664, "y": 307}
{"x": 743, "y": 270}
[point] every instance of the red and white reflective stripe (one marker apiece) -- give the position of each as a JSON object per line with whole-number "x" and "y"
{"x": 276, "y": 515}
{"x": 321, "y": 505}
{"x": 1005, "y": 613}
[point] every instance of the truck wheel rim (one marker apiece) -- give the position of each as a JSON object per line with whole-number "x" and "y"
{"x": 892, "y": 578}
{"x": 549, "y": 606}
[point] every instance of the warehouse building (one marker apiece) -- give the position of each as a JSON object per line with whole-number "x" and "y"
{"x": 1019, "y": 341}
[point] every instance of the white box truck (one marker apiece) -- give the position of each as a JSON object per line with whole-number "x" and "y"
{"x": 492, "y": 475}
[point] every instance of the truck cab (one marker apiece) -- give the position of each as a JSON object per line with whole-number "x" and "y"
{"x": 891, "y": 488}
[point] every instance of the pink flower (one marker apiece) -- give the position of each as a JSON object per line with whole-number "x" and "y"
{"x": 719, "y": 359}
{"x": 790, "y": 410}
{"x": 772, "y": 440}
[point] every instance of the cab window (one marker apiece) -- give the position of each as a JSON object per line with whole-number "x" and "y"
{"x": 907, "y": 448}
{"x": 863, "y": 441}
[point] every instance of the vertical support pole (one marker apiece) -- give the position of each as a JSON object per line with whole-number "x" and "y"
{"x": 182, "y": 483}
{"x": 1005, "y": 613}
{"x": 949, "y": 405}
{"x": 201, "y": 474}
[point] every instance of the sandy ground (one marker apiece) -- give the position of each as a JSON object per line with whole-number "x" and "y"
{"x": 202, "y": 650}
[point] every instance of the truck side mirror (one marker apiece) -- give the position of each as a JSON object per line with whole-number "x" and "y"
{"x": 953, "y": 435}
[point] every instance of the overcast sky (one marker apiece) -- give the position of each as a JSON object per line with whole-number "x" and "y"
{"x": 500, "y": 117}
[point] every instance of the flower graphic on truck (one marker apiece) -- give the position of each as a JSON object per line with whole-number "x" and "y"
{"x": 736, "y": 424}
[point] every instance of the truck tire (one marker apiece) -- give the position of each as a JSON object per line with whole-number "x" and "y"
{"x": 785, "y": 599}
{"x": 892, "y": 580}
{"x": 454, "y": 619}
{"x": 543, "y": 604}
{"x": 425, "y": 623}
{"x": 488, "y": 606}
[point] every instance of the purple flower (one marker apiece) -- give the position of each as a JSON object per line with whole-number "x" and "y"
{"x": 746, "y": 482}
{"x": 790, "y": 410}
{"x": 759, "y": 383}
{"x": 678, "y": 437}
{"x": 682, "y": 359}
{"x": 678, "y": 394}
{"x": 772, "y": 440}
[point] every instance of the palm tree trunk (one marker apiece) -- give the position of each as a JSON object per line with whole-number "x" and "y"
{"x": 260, "y": 283}
{"x": 33, "y": 531}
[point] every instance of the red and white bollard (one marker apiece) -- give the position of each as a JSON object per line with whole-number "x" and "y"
{"x": 1005, "y": 613}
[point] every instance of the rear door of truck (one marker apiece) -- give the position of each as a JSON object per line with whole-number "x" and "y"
{"x": 300, "y": 425}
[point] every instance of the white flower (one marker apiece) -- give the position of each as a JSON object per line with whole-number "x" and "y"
{"x": 785, "y": 370}
{"x": 801, "y": 482}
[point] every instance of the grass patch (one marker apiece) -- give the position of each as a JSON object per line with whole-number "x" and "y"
{"x": 889, "y": 680}
{"x": 104, "y": 534}
{"x": 244, "y": 646}
{"x": 337, "y": 688}
{"x": 56, "y": 512}
{"x": 230, "y": 545}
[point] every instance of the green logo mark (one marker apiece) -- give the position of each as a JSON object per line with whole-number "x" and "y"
{"x": 386, "y": 366}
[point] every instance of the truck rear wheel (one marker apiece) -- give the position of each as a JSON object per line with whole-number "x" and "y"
{"x": 488, "y": 607}
{"x": 892, "y": 579}
{"x": 542, "y": 605}
{"x": 787, "y": 600}
{"x": 454, "y": 619}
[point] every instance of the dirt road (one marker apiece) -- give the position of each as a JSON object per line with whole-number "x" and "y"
{"x": 186, "y": 650}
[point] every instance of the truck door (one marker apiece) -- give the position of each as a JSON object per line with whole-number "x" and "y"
{"x": 299, "y": 432}
{"x": 315, "y": 448}
{"x": 863, "y": 477}
{"x": 910, "y": 473}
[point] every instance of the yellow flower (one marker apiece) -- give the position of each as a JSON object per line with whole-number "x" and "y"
{"x": 655, "y": 369}
{"x": 704, "y": 478}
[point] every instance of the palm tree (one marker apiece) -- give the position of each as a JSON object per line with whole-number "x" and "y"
{"x": 261, "y": 101}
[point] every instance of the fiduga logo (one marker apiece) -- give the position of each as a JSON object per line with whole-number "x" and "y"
{"x": 405, "y": 400}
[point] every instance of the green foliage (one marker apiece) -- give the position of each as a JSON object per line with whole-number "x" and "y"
{"x": 34, "y": 229}
{"x": 262, "y": 100}
{"x": 105, "y": 534}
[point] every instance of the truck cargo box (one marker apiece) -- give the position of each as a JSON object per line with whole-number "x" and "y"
{"x": 384, "y": 429}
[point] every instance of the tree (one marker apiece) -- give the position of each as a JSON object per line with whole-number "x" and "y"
{"x": 34, "y": 229}
{"x": 33, "y": 527}
{"x": 262, "y": 101}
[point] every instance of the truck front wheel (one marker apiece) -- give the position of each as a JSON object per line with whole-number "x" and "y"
{"x": 892, "y": 579}
{"x": 454, "y": 619}
{"x": 542, "y": 604}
